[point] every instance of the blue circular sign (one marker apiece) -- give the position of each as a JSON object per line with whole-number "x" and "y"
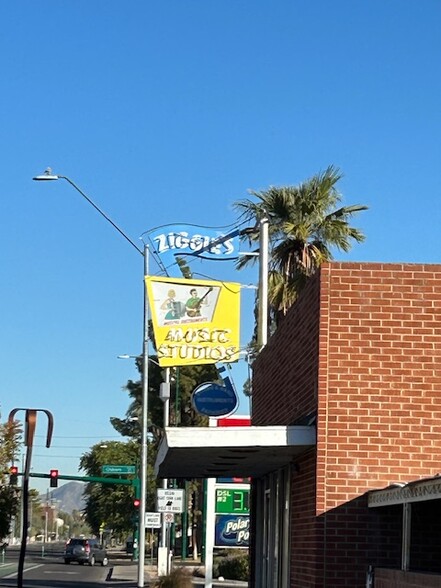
{"x": 210, "y": 399}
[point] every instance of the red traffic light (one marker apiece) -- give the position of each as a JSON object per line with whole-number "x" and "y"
{"x": 136, "y": 502}
{"x": 13, "y": 475}
{"x": 53, "y": 474}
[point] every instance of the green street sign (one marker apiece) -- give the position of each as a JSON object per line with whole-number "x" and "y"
{"x": 118, "y": 469}
{"x": 232, "y": 501}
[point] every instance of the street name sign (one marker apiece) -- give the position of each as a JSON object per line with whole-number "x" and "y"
{"x": 170, "y": 500}
{"x": 153, "y": 520}
{"x": 118, "y": 469}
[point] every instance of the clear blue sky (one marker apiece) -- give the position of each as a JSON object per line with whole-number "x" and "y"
{"x": 169, "y": 112}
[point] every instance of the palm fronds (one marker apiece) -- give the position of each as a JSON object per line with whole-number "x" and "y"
{"x": 306, "y": 224}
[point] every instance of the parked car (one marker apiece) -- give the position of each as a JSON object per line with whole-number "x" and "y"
{"x": 83, "y": 551}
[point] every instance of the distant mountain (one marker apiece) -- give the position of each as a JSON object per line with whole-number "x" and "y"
{"x": 70, "y": 496}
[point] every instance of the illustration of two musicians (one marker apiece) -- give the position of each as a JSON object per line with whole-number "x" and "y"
{"x": 191, "y": 308}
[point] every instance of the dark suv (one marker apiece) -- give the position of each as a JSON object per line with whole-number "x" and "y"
{"x": 85, "y": 551}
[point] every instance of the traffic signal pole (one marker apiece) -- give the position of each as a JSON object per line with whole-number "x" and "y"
{"x": 98, "y": 479}
{"x": 137, "y": 527}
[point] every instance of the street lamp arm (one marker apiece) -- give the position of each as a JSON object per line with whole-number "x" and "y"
{"x": 103, "y": 214}
{"x": 48, "y": 175}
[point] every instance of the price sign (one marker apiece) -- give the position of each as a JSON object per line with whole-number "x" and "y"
{"x": 232, "y": 501}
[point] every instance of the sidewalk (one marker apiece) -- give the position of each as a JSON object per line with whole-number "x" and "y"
{"x": 128, "y": 574}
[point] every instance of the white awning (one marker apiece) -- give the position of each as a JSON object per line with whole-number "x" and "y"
{"x": 209, "y": 452}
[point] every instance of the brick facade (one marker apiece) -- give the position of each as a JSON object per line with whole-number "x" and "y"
{"x": 362, "y": 347}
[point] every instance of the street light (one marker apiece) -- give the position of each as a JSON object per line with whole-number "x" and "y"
{"x": 49, "y": 176}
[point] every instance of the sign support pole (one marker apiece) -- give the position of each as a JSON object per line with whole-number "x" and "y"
{"x": 163, "y": 551}
{"x": 209, "y": 525}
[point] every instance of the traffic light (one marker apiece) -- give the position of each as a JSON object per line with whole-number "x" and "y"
{"x": 135, "y": 514}
{"x": 13, "y": 475}
{"x": 54, "y": 478}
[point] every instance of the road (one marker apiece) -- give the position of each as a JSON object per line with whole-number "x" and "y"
{"x": 50, "y": 571}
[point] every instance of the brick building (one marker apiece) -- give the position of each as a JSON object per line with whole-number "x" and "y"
{"x": 361, "y": 353}
{"x": 357, "y": 360}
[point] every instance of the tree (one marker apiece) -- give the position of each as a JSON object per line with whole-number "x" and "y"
{"x": 110, "y": 504}
{"x": 304, "y": 228}
{"x": 10, "y": 434}
{"x": 182, "y": 383}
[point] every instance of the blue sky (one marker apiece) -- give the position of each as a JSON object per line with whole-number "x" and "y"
{"x": 168, "y": 112}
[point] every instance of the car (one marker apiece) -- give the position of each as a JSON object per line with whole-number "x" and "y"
{"x": 85, "y": 551}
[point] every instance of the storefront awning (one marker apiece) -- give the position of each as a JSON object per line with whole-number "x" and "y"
{"x": 402, "y": 493}
{"x": 209, "y": 452}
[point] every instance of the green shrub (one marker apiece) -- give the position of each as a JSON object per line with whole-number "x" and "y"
{"x": 234, "y": 567}
{"x": 177, "y": 578}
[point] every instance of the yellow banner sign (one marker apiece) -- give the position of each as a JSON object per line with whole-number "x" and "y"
{"x": 195, "y": 321}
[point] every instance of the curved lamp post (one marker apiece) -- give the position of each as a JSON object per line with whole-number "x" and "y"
{"x": 29, "y": 433}
{"x": 49, "y": 176}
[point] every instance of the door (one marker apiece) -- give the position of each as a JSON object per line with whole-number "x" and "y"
{"x": 272, "y": 529}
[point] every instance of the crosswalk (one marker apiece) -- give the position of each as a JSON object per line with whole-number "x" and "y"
{"x": 9, "y": 570}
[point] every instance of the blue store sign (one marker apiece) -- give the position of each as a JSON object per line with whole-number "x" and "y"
{"x": 232, "y": 531}
{"x": 210, "y": 399}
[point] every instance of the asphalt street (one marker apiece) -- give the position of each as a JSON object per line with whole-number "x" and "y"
{"x": 46, "y": 569}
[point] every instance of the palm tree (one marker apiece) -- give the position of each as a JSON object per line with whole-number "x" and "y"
{"x": 304, "y": 228}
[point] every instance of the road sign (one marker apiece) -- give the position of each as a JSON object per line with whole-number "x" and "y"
{"x": 118, "y": 469}
{"x": 232, "y": 500}
{"x": 153, "y": 520}
{"x": 170, "y": 500}
{"x": 169, "y": 517}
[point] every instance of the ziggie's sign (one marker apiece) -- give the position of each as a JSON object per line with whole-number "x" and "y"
{"x": 195, "y": 321}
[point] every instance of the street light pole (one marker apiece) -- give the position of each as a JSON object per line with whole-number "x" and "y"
{"x": 163, "y": 551}
{"x": 144, "y": 446}
{"x": 49, "y": 176}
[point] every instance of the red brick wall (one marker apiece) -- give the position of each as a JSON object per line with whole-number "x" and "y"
{"x": 285, "y": 376}
{"x": 379, "y": 378}
{"x": 363, "y": 345}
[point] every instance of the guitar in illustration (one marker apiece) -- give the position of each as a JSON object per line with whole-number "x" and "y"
{"x": 193, "y": 304}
